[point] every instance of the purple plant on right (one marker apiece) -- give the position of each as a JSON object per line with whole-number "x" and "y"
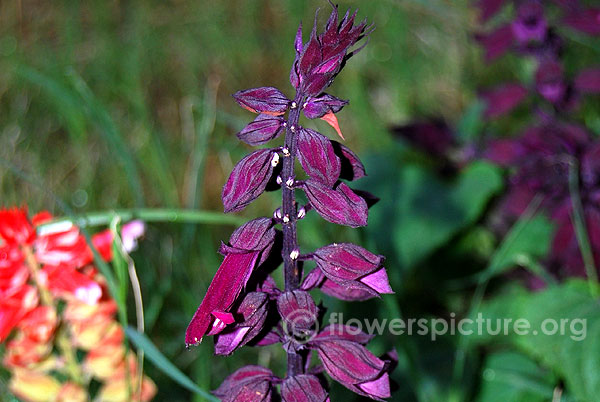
{"x": 556, "y": 153}
{"x": 243, "y": 305}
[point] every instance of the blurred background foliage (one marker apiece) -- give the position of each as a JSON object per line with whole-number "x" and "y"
{"x": 124, "y": 104}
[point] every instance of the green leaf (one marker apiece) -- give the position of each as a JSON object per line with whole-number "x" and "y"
{"x": 511, "y": 376}
{"x": 573, "y": 349}
{"x": 152, "y": 353}
{"x": 431, "y": 211}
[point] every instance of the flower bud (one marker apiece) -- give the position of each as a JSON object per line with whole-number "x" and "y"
{"x": 299, "y": 314}
{"x": 262, "y": 130}
{"x": 267, "y": 100}
{"x": 317, "y": 157}
{"x": 316, "y": 107}
{"x": 248, "y": 179}
{"x": 340, "y": 205}
{"x": 248, "y": 384}
{"x": 303, "y": 388}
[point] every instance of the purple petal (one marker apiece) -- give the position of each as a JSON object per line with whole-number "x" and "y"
{"x": 312, "y": 280}
{"x": 340, "y": 205}
{"x": 317, "y": 107}
{"x": 378, "y": 281}
{"x": 586, "y": 21}
{"x": 351, "y": 166}
{"x": 303, "y": 388}
{"x": 379, "y": 388}
{"x": 530, "y": 24}
{"x": 588, "y": 81}
{"x": 262, "y": 130}
{"x": 228, "y": 282}
{"x": 317, "y": 157}
{"x": 497, "y": 42}
{"x": 249, "y": 179}
{"x": 503, "y": 99}
{"x": 298, "y": 311}
{"x": 248, "y": 384}
{"x": 346, "y": 262}
{"x": 267, "y": 100}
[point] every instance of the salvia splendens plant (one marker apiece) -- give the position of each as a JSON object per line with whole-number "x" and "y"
{"x": 243, "y": 304}
{"x": 57, "y": 318}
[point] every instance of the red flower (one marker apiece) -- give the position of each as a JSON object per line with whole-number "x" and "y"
{"x": 15, "y": 228}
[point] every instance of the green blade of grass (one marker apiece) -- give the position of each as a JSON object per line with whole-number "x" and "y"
{"x": 152, "y": 353}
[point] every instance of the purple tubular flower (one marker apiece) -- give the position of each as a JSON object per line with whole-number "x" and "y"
{"x": 214, "y": 313}
{"x": 353, "y": 366}
{"x": 248, "y": 384}
{"x": 317, "y": 157}
{"x": 303, "y": 388}
{"x": 354, "y": 267}
{"x": 503, "y": 99}
{"x": 298, "y": 311}
{"x": 321, "y": 58}
{"x": 586, "y": 21}
{"x": 340, "y": 205}
{"x": 253, "y": 312}
{"x": 249, "y": 179}
{"x": 351, "y": 167}
{"x": 319, "y": 106}
{"x": 588, "y": 81}
{"x": 530, "y": 24}
{"x": 267, "y": 100}
{"x": 262, "y": 130}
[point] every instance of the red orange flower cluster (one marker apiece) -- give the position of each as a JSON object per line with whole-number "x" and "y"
{"x": 55, "y": 308}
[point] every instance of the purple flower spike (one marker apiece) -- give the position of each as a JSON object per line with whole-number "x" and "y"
{"x": 340, "y": 205}
{"x": 530, "y": 24}
{"x": 248, "y": 384}
{"x": 299, "y": 313}
{"x": 317, "y": 157}
{"x": 249, "y": 179}
{"x": 262, "y": 130}
{"x": 267, "y": 100}
{"x": 323, "y": 56}
{"x": 214, "y": 312}
{"x": 253, "y": 313}
{"x": 303, "y": 388}
{"x": 352, "y": 266}
{"x": 319, "y": 106}
{"x": 353, "y": 366}
{"x": 352, "y": 167}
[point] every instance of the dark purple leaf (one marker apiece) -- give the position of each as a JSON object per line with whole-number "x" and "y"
{"x": 262, "y": 130}
{"x": 588, "y": 81}
{"x": 267, "y": 100}
{"x": 317, "y": 157}
{"x": 351, "y": 167}
{"x": 249, "y": 179}
{"x": 340, "y": 205}
{"x": 303, "y": 388}
{"x": 248, "y": 384}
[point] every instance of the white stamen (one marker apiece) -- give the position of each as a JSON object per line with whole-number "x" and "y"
{"x": 275, "y": 160}
{"x": 301, "y": 213}
{"x": 286, "y": 152}
{"x": 289, "y": 182}
{"x": 279, "y": 180}
{"x": 292, "y": 128}
{"x": 286, "y": 218}
{"x": 294, "y": 254}
{"x": 277, "y": 213}
{"x": 305, "y": 103}
{"x": 294, "y": 105}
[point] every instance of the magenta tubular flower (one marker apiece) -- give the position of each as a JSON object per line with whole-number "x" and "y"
{"x": 530, "y": 24}
{"x": 243, "y": 305}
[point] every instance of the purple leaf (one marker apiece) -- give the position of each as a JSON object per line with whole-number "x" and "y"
{"x": 340, "y": 205}
{"x": 503, "y": 99}
{"x": 249, "y": 179}
{"x": 266, "y": 100}
{"x": 317, "y": 107}
{"x": 317, "y": 157}
{"x": 262, "y": 130}
{"x": 255, "y": 235}
{"x": 588, "y": 81}
{"x": 214, "y": 311}
{"x": 252, "y": 313}
{"x": 354, "y": 267}
{"x": 248, "y": 384}
{"x": 303, "y": 388}
{"x": 351, "y": 167}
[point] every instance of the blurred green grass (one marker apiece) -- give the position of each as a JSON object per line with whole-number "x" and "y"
{"x": 124, "y": 104}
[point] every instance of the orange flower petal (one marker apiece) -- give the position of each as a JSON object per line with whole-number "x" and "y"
{"x": 330, "y": 118}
